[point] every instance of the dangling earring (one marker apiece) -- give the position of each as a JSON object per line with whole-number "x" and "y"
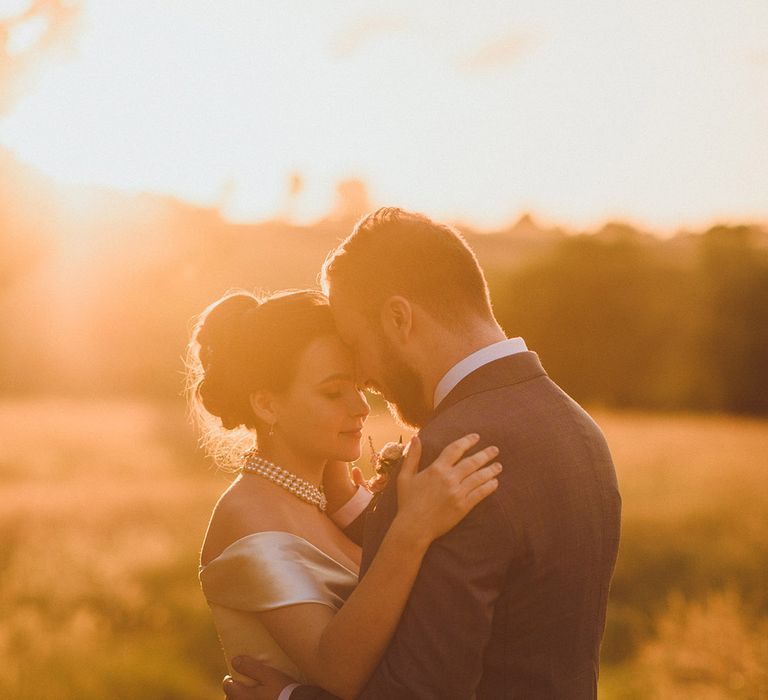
{"x": 271, "y": 430}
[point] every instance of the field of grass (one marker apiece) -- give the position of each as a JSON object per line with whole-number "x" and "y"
{"x": 103, "y": 505}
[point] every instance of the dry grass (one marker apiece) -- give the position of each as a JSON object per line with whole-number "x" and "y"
{"x": 689, "y": 603}
{"x": 103, "y": 505}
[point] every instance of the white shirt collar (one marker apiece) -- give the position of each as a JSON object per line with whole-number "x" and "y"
{"x": 477, "y": 359}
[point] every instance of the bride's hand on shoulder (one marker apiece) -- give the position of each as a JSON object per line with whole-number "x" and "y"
{"x": 432, "y": 501}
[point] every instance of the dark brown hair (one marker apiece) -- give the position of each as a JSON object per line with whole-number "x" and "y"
{"x": 243, "y": 343}
{"x": 392, "y": 251}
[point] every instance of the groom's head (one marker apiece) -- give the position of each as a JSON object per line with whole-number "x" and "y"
{"x": 403, "y": 288}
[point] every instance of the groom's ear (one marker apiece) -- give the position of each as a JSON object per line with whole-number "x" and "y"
{"x": 397, "y": 318}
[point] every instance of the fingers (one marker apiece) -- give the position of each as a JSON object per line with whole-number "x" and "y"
{"x": 470, "y": 464}
{"x": 480, "y": 477}
{"x": 248, "y": 666}
{"x": 412, "y": 457}
{"x": 357, "y": 477}
{"x": 455, "y": 450}
{"x": 481, "y": 492}
{"x": 259, "y": 672}
{"x": 235, "y": 690}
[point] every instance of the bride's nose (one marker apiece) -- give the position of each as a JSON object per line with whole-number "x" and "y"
{"x": 361, "y": 407}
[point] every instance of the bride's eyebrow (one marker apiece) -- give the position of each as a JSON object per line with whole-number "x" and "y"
{"x": 338, "y": 377}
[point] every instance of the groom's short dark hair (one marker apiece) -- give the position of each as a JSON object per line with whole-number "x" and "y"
{"x": 391, "y": 251}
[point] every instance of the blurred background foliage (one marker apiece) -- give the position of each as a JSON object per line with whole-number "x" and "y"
{"x": 113, "y": 288}
{"x": 105, "y": 495}
{"x": 104, "y": 504}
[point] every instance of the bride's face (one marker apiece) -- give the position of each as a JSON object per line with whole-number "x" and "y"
{"x": 323, "y": 411}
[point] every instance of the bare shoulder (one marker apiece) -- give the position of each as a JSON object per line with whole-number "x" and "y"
{"x": 235, "y": 515}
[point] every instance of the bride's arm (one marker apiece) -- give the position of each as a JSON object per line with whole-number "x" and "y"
{"x": 340, "y": 652}
{"x": 337, "y": 485}
{"x": 349, "y": 499}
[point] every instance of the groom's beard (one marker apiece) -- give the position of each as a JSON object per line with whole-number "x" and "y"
{"x": 404, "y": 389}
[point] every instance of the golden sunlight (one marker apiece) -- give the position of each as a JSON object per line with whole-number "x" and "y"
{"x": 607, "y": 164}
{"x": 579, "y": 113}
{"x": 25, "y": 35}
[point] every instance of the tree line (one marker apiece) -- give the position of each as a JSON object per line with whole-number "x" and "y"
{"x": 104, "y": 304}
{"x": 634, "y": 322}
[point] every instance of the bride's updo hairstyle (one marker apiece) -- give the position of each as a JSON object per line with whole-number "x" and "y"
{"x": 244, "y": 343}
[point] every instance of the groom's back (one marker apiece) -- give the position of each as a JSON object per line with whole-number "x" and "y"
{"x": 559, "y": 493}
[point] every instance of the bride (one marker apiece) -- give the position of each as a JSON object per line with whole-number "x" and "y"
{"x": 279, "y": 575}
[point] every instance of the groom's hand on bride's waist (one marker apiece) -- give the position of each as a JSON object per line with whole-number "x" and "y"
{"x": 269, "y": 683}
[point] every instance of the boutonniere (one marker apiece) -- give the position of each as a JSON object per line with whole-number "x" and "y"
{"x": 383, "y": 462}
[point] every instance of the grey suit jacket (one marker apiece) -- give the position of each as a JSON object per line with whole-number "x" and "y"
{"x": 511, "y": 602}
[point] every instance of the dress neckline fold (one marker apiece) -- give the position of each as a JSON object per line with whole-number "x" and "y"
{"x": 278, "y": 534}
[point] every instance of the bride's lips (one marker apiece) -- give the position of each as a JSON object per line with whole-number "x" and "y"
{"x": 357, "y": 434}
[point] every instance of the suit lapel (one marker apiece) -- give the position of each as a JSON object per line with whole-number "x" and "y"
{"x": 378, "y": 518}
{"x": 505, "y": 371}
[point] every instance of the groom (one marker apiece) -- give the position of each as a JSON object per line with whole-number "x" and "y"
{"x": 511, "y": 602}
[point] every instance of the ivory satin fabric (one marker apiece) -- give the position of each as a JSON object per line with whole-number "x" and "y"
{"x": 264, "y": 571}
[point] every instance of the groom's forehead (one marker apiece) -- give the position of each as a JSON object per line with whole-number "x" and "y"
{"x": 341, "y": 308}
{"x": 349, "y": 321}
{"x": 346, "y": 321}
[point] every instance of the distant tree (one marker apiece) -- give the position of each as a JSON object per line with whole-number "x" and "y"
{"x": 590, "y": 310}
{"x": 352, "y": 201}
{"x": 18, "y": 67}
{"x": 627, "y": 320}
{"x": 734, "y": 279}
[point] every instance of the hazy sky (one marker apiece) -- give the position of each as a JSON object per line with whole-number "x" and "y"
{"x": 475, "y": 111}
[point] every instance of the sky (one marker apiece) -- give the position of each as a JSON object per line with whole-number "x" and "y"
{"x": 475, "y": 112}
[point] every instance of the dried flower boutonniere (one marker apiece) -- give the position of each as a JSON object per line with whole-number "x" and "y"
{"x": 383, "y": 462}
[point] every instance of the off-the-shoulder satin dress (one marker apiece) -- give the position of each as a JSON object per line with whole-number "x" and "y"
{"x": 264, "y": 571}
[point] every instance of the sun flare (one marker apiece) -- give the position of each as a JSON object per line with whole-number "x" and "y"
{"x": 577, "y": 114}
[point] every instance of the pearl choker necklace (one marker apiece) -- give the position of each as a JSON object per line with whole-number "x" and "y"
{"x": 254, "y": 463}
